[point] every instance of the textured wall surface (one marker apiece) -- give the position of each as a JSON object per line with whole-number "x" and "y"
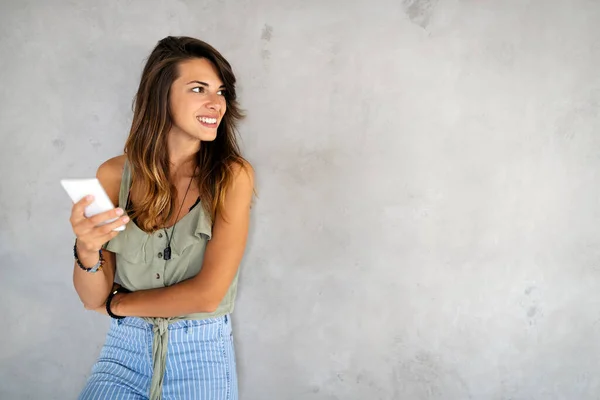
{"x": 427, "y": 224}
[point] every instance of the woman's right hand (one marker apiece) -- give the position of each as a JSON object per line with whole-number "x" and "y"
{"x": 90, "y": 236}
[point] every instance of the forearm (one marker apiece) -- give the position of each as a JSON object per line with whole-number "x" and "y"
{"x": 92, "y": 288}
{"x": 180, "y": 299}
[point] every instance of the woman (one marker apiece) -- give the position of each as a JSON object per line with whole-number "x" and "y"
{"x": 184, "y": 194}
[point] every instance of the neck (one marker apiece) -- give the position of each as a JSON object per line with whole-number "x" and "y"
{"x": 182, "y": 154}
{"x": 182, "y": 167}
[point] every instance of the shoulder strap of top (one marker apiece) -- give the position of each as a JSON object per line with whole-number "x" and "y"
{"x": 125, "y": 185}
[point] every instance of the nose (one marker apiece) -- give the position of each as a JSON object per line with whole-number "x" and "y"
{"x": 214, "y": 103}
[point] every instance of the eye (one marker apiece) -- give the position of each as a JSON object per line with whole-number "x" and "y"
{"x": 222, "y": 92}
{"x": 198, "y": 89}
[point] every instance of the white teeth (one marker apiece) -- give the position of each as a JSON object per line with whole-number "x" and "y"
{"x": 208, "y": 120}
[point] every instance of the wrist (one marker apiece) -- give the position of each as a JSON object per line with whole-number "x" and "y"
{"x": 113, "y": 307}
{"x": 115, "y": 304}
{"x": 84, "y": 251}
{"x": 87, "y": 261}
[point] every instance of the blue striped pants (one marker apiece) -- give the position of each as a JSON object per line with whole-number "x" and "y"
{"x": 200, "y": 361}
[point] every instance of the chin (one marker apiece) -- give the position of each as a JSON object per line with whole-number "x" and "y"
{"x": 207, "y": 137}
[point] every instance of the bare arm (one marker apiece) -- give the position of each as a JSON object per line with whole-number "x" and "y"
{"x": 224, "y": 252}
{"x": 93, "y": 288}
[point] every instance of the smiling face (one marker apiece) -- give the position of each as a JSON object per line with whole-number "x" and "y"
{"x": 197, "y": 100}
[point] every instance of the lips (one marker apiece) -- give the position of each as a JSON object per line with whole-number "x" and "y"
{"x": 210, "y": 122}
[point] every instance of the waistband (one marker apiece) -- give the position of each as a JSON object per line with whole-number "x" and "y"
{"x": 142, "y": 323}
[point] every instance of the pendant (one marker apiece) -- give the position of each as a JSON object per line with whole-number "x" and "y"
{"x": 167, "y": 253}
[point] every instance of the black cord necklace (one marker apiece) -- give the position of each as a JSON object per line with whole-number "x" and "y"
{"x": 167, "y": 250}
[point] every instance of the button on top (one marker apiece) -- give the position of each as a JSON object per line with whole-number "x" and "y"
{"x": 160, "y": 235}
{"x": 159, "y": 255}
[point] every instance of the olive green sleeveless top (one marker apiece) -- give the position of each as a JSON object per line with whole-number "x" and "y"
{"x": 140, "y": 265}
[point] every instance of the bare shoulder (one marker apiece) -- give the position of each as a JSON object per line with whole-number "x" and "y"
{"x": 109, "y": 174}
{"x": 243, "y": 173}
{"x": 242, "y": 182}
{"x": 240, "y": 189}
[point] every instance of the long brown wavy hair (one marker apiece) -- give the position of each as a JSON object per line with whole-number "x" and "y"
{"x": 146, "y": 146}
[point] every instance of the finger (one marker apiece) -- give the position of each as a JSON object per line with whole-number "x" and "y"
{"x": 82, "y": 228}
{"x": 109, "y": 236}
{"x": 100, "y": 235}
{"x": 78, "y": 210}
{"x": 106, "y": 216}
{"x": 95, "y": 226}
{"x": 108, "y": 228}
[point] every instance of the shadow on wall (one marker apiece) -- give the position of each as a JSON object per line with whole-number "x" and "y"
{"x": 419, "y": 11}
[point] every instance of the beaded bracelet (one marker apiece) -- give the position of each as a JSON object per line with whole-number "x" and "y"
{"x": 92, "y": 269}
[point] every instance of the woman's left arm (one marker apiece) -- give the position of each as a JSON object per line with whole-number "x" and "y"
{"x": 224, "y": 252}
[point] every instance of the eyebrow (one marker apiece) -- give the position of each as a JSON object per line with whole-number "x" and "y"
{"x": 204, "y": 84}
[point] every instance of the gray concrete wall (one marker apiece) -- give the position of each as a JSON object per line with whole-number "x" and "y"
{"x": 428, "y": 220}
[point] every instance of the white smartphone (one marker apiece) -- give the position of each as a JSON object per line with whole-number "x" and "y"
{"x": 77, "y": 189}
